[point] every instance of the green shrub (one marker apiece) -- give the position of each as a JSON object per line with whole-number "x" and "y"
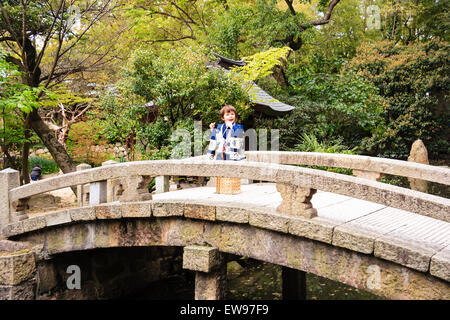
{"x": 47, "y": 165}
{"x": 414, "y": 82}
{"x": 311, "y": 144}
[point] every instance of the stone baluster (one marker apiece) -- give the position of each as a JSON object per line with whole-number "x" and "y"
{"x": 98, "y": 192}
{"x": 83, "y": 190}
{"x": 162, "y": 184}
{"x": 211, "y": 271}
{"x": 296, "y": 201}
{"x": 112, "y": 185}
{"x": 135, "y": 188}
{"x": 371, "y": 175}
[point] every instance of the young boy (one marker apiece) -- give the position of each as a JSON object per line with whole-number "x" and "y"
{"x": 227, "y": 141}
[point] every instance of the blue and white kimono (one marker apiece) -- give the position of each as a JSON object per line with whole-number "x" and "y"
{"x": 227, "y": 143}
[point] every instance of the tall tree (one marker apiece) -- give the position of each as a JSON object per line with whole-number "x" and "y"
{"x": 34, "y": 31}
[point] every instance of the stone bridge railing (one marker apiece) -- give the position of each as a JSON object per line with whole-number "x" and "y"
{"x": 296, "y": 185}
{"x": 363, "y": 166}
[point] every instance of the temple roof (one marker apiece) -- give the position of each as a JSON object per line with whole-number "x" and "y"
{"x": 262, "y": 100}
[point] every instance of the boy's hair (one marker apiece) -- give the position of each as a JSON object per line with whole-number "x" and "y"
{"x": 227, "y": 108}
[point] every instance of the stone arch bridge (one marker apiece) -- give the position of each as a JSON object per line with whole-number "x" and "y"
{"x": 392, "y": 241}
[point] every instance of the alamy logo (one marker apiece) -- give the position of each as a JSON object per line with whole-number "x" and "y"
{"x": 373, "y": 282}
{"x": 373, "y": 17}
{"x": 74, "y": 16}
{"x": 74, "y": 281}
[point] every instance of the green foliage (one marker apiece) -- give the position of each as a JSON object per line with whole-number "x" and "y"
{"x": 332, "y": 104}
{"x": 410, "y": 21}
{"x": 178, "y": 87}
{"x": 16, "y": 101}
{"x": 249, "y": 27}
{"x": 181, "y": 86}
{"x": 311, "y": 144}
{"x": 116, "y": 112}
{"x": 82, "y": 136}
{"x": 227, "y": 29}
{"x": 15, "y": 95}
{"x": 261, "y": 64}
{"x": 47, "y": 165}
{"x": 414, "y": 81}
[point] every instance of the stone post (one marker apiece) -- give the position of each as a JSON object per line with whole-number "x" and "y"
{"x": 296, "y": 201}
{"x": 81, "y": 189}
{"x": 211, "y": 271}
{"x": 111, "y": 184}
{"x": 162, "y": 184}
{"x": 294, "y": 284}
{"x": 9, "y": 179}
{"x": 17, "y": 271}
{"x": 418, "y": 154}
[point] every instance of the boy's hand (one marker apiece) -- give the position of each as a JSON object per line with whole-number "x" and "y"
{"x": 212, "y": 125}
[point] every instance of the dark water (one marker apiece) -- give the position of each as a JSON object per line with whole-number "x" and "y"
{"x": 256, "y": 281}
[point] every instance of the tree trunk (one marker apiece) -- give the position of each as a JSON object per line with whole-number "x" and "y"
{"x": 26, "y": 151}
{"x": 55, "y": 148}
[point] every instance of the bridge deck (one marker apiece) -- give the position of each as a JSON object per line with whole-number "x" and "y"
{"x": 357, "y": 224}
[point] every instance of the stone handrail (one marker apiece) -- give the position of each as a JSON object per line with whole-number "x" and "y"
{"x": 356, "y": 162}
{"x": 389, "y": 195}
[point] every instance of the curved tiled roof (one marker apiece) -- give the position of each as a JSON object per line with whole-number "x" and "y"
{"x": 263, "y": 101}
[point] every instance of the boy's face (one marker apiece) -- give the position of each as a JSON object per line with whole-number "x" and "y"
{"x": 229, "y": 116}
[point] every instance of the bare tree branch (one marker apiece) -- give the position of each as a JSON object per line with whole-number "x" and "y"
{"x": 291, "y": 6}
{"x": 326, "y": 17}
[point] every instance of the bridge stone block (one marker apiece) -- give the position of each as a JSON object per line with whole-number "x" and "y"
{"x": 56, "y": 218}
{"x": 139, "y": 209}
{"x": 316, "y": 228}
{"x": 270, "y": 221}
{"x": 440, "y": 264}
{"x": 108, "y": 211}
{"x": 16, "y": 267}
{"x": 184, "y": 232}
{"x": 167, "y": 208}
{"x": 201, "y": 258}
{"x": 17, "y": 271}
{"x": 231, "y": 214}
{"x": 106, "y": 235}
{"x": 404, "y": 252}
{"x": 82, "y": 214}
{"x": 13, "y": 229}
{"x": 354, "y": 238}
{"x": 200, "y": 211}
{"x": 23, "y": 291}
{"x": 210, "y": 278}
{"x": 34, "y": 223}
